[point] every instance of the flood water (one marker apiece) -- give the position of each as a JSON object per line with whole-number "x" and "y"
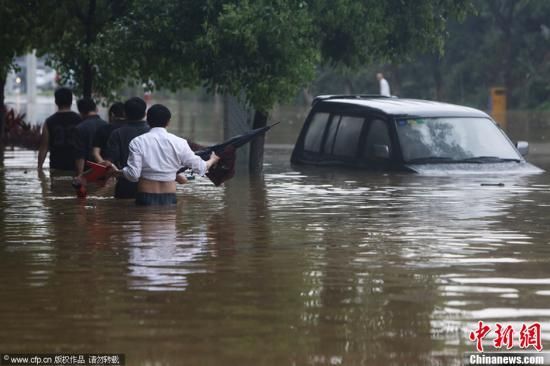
{"x": 298, "y": 267}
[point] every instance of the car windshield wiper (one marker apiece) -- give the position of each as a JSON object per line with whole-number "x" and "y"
{"x": 487, "y": 159}
{"x": 431, "y": 159}
{"x": 472, "y": 160}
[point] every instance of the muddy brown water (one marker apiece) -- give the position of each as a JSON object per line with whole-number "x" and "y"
{"x": 300, "y": 267}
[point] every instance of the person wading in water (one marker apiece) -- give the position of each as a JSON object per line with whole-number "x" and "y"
{"x": 118, "y": 144}
{"x": 155, "y": 158}
{"x": 58, "y": 134}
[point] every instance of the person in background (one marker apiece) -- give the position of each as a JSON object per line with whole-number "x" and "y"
{"x": 384, "y": 85}
{"x": 117, "y": 119}
{"x": 57, "y": 133}
{"x": 85, "y": 132}
{"x": 117, "y": 149}
{"x": 155, "y": 158}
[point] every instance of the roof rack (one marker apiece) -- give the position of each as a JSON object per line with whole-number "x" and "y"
{"x": 349, "y": 96}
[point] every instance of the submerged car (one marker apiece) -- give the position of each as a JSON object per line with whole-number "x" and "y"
{"x": 388, "y": 133}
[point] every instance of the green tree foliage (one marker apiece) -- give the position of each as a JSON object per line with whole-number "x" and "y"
{"x": 502, "y": 43}
{"x": 17, "y": 30}
{"x": 262, "y": 49}
{"x": 157, "y": 40}
{"x": 266, "y": 50}
{"x": 259, "y": 49}
{"x": 352, "y": 33}
{"x": 505, "y": 43}
{"x": 78, "y": 49}
{"x": 518, "y": 46}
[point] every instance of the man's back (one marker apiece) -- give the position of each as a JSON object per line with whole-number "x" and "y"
{"x": 85, "y": 133}
{"x": 117, "y": 152}
{"x": 61, "y": 127}
{"x": 155, "y": 159}
{"x": 385, "y": 88}
{"x": 161, "y": 154}
{"x": 104, "y": 132}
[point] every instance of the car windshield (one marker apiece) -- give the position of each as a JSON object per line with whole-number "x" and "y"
{"x": 453, "y": 139}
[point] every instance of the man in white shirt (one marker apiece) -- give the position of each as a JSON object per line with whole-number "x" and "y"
{"x": 384, "y": 86}
{"x": 155, "y": 158}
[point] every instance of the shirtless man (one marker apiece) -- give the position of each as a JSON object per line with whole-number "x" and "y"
{"x": 155, "y": 158}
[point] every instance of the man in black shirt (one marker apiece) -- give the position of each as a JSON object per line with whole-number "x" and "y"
{"x": 85, "y": 132}
{"x": 118, "y": 145}
{"x": 57, "y": 133}
{"x": 117, "y": 119}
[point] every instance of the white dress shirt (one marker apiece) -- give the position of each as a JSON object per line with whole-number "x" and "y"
{"x": 158, "y": 155}
{"x": 384, "y": 87}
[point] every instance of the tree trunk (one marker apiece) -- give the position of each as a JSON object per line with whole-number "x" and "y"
{"x": 349, "y": 86}
{"x": 438, "y": 78}
{"x": 257, "y": 145}
{"x": 2, "y": 116}
{"x": 395, "y": 87}
{"x": 503, "y": 13}
{"x": 87, "y": 76}
{"x": 508, "y": 65}
{"x": 88, "y": 72}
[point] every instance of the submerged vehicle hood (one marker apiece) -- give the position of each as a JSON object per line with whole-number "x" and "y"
{"x": 522, "y": 167}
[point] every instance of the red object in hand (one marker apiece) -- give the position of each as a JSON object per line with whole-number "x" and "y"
{"x": 81, "y": 192}
{"x": 96, "y": 172}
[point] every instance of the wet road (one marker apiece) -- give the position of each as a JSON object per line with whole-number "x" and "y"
{"x": 302, "y": 267}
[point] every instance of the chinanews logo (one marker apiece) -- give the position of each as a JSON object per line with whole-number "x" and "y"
{"x": 508, "y": 345}
{"x": 505, "y": 336}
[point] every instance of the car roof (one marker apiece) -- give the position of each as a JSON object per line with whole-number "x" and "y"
{"x": 403, "y": 107}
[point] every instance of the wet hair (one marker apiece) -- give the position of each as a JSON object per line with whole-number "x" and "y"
{"x": 86, "y": 105}
{"x": 135, "y": 108}
{"x": 117, "y": 111}
{"x": 158, "y": 116}
{"x": 63, "y": 97}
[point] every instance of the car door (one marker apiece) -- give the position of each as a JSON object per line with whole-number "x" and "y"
{"x": 343, "y": 137}
{"x": 377, "y": 147}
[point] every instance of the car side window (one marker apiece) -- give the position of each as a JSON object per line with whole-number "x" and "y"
{"x": 378, "y": 135}
{"x": 331, "y": 134}
{"x": 314, "y": 135}
{"x": 347, "y": 136}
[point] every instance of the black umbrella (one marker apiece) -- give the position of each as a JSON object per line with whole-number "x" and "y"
{"x": 225, "y": 169}
{"x": 236, "y": 142}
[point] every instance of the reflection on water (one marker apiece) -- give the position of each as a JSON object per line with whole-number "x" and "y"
{"x": 304, "y": 266}
{"x": 159, "y": 258}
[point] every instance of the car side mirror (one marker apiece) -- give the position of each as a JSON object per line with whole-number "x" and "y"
{"x": 382, "y": 151}
{"x": 523, "y": 147}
